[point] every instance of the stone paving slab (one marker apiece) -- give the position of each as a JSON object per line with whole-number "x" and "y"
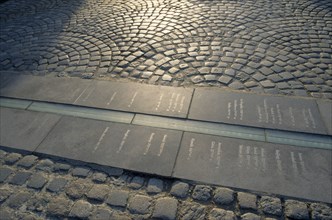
{"x": 61, "y": 90}
{"x": 138, "y": 148}
{"x": 274, "y": 168}
{"x": 24, "y": 130}
{"x": 276, "y": 112}
{"x": 132, "y": 97}
{"x": 158, "y": 100}
{"x": 325, "y": 108}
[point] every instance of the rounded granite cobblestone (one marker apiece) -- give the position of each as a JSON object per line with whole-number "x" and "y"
{"x": 261, "y": 46}
{"x": 54, "y": 190}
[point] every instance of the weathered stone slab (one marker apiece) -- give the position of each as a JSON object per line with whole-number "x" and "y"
{"x": 284, "y": 113}
{"x": 138, "y": 148}
{"x": 133, "y": 97}
{"x": 51, "y": 89}
{"x": 325, "y": 108}
{"x": 273, "y": 168}
{"x": 24, "y": 130}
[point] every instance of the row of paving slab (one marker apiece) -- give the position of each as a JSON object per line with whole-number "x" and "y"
{"x": 38, "y": 187}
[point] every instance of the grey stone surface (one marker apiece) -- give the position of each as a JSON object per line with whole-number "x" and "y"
{"x": 62, "y": 90}
{"x": 37, "y": 181}
{"x": 17, "y": 199}
{"x": 165, "y": 208}
{"x": 4, "y": 173}
{"x": 81, "y": 171}
{"x": 294, "y": 114}
{"x": 320, "y": 211}
{"x": 24, "y": 130}
{"x": 98, "y": 192}
{"x": 12, "y": 158}
{"x": 81, "y": 209}
{"x": 296, "y": 209}
{"x": 217, "y": 213}
{"x": 138, "y": 98}
{"x": 27, "y": 161}
{"x": 114, "y": 144}
{"x": 118, "y": 198}
{"x": 57, "y": 184}
{"x": 20, "y": 178}
{"x": 202, "y": 192}
{"x": 247, "y": 200}
{"x": 325, "y": 109}
{"x": 192, "y": 210}
{"x": 137, "y": 182}
{"x": 76, "y": 189}
{"x": 59, "y": 206}
{"x": 45, "y": 165}
{"x": 271, "y": 205}
{"x": 273, "y": 168}
{"x": 155, "y": 185}
{"x": 180, "y": 189}
{"x": 139, "y": 204}
{"x": 223, "y": 196}
{"x": 250, "y": 216}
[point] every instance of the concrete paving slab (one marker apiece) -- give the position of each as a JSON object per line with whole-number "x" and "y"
{"x": 126, "y": 146}
{"x": 24, "y": 130}
{"x": 325, "y": 108}
{"x": 61, "y": 90}
{"x": 133, "y": 97}
{"x": 276, "y": 112}
{"x": 273, "y": 168}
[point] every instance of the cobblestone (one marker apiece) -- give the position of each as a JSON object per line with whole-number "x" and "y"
{"x": 180, "y": 189}
{"x": 159, "y": 198}
{"x": 81, "y": 209}
{"x": 247, "y": 200}
{"x": 20, "y": 178}
{"x": 296, "y": 210}
{"x": 223, "y": 196}
{"x": 165, "y": 208}
{"x": 37, "y": 181}
{"x": 139, "y": 204}
{"x": 27, "y": 161}
{"x": 57, "y": 184}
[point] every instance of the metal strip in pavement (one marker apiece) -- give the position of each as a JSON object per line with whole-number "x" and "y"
{"x": 83, "y": 112}
{"x": 14, "y": 103}
{"x": 299, "y": 139}
{"x": 201, "y": 127}
{"x": 220, "y": 129}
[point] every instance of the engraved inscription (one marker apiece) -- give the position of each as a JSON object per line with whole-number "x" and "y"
{"x": 237, "y": 111}
{"x": 279, "y": 114}
{"x": 294, "y": 163}
{"x": 191, "y": 148}
{"x": 162, "y": 145}
{"x": 124, "y": 138}
{"x": 159, "y": 101}
{"x": 292, "y": 115}
{"x": 279, "y": 162}
{"x": 88, "y": 95}
{"x": 132, "y": 99}
{"x": 101, "y": 138}
{"x": 81, "y": 94}
{"x": 112, "y": 98}
{"x": 219, "y": 153}
{"x": 252, "y": 157}
{"x": 147, "y": 148}
{"x": 176, "y": 103}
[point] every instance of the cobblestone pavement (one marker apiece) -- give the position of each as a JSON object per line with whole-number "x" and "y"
{"x": 36, "y": 187}
{"x": 279, "y": 47}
